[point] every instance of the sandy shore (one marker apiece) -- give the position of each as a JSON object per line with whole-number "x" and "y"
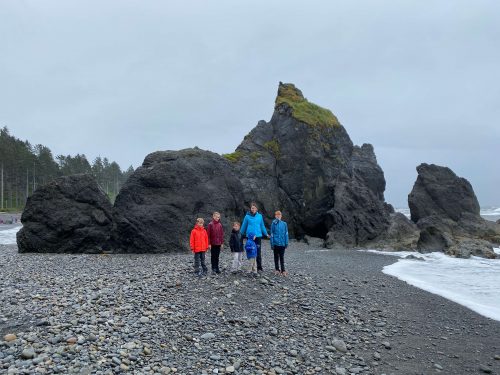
{"x": 335, "y": 313}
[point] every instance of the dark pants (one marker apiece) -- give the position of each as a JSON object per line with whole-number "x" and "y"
{"x": 259, "y": 253}
{"x": 199, "y": 258}
{"x": 279, "y": 257}
{"x": 214, "y": 257}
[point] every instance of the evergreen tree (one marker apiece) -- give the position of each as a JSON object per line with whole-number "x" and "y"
{"x": 25, "y": 167}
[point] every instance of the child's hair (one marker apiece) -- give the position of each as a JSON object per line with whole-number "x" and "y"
{"x": 215, "y": 213}
{"x": 200, "y": 220}
{"x": 236, "y": 223}
{"x": 277, "y": 213}
{"x": 253, "y": 204}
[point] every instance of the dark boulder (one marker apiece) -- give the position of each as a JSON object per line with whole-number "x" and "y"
{"x": 69, "y": 215}
{"x": 158, "y": 205}
{"x": 439, "y": 191}
{"x": 402, "y": 234}
{"x": 304, "y": 163}
{"x": 446, "y": 210}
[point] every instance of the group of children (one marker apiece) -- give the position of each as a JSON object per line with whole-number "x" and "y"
{"x": 252, "y": 229}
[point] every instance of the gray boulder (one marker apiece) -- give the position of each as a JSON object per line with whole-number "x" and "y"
{"x": 303, "y": 162}
{"x": 446, "y": 210}
{"x": 402, "y": 234}
{"x": 158, "y": 205}
{"x": 464, "y": 248}
{"x": 68, "y": 215}
{"x": 439, "y": 191}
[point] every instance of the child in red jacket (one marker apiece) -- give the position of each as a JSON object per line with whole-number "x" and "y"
{"x": 199, "y": 245}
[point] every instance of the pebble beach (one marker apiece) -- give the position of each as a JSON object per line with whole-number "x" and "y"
{"x": 336, "y": 313}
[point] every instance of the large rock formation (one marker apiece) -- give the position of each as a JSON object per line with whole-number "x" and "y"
{"x": 446, "y": 210}
{"x": 439, "y": 191}
{"x": 304, "y": 163}
{"x": 69, "y": 215}
{"x": 158, "y": 205}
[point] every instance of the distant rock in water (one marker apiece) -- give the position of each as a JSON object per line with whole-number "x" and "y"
{"x": 446, "y": 210}
{"x": 68, "y": 215}
{"x": 158, "y": 205}
{"x": 304, "y": 163}
{"x": 439, "y": 191}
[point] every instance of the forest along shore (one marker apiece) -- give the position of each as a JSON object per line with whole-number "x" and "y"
{"x": 335, "y": 313}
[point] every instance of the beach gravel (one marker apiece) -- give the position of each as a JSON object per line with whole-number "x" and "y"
{"x": 336, "y": 313}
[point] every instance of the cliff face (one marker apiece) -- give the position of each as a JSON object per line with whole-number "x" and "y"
{"x": 303, "y": 162}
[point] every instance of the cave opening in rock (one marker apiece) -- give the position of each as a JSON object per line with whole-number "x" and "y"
{"x": 318, "y": 229}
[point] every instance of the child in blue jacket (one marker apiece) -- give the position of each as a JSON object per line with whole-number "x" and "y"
{"x": 279, "y": 242}
{"x": 251, "y": 249}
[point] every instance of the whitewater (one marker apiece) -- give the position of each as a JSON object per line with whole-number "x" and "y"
{"x": 472, "y": 282}
{"x": 489, "y": 213}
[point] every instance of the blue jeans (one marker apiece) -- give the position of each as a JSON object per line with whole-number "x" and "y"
{"x": 199, "y": 259}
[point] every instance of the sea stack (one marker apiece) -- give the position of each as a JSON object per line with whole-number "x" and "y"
{"x": 446, "y": 209}
{"x": 303, "y": 162}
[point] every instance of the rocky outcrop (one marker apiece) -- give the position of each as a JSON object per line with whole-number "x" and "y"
{"x": 446, "y": 210}
{"x": 402, "y": 234}
{"x": 440, "y": 192}
{"x": 158, "y": 205}
{"x": 69, "y": 215}
{"x": 304, "y": 163}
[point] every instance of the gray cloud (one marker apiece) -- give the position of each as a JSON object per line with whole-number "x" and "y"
{"x": 418, "y": 80}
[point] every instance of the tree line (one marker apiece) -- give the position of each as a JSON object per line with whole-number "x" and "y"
{"x": 24, "y": 167}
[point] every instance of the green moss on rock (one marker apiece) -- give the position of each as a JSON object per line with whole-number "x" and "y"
{"x": 234, "y": 156}
{"x": 302, "y": 109}
{"x": 273, "y": 147}
{"x": 255, "y": 155}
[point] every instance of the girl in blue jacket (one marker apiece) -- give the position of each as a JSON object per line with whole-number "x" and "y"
{"x": 279, "y": 242}
{"x": 254, "y": 223}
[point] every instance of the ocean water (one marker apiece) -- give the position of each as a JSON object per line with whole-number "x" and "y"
{"x": 473, "y": 283}
{"x": 8, "y": 235}
{"x": 489, "y": 213}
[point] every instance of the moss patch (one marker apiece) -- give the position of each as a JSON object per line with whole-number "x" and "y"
{"x": 273, "y": 147}
{"x": 303, "y": 110}
{"x": 233, "y": 157}
{"x": 255, "y": 155}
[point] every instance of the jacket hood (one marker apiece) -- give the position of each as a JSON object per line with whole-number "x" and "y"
{"x": 198, "y": 228}
{"x": 235, "y": 231}
{"x": 249, "y": 213}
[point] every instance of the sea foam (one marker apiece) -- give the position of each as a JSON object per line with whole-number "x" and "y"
{"x": 8, "y": 236}
{"x": 472, "y": 282}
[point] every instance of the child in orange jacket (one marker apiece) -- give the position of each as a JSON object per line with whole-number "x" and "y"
{"x": 199, "y": 245}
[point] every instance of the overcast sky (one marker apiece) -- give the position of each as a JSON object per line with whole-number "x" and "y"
{"x": 420, "y": 80}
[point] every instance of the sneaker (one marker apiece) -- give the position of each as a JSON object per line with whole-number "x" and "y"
{"x": 284, "y": 273}
{"x": 277, "y": 272}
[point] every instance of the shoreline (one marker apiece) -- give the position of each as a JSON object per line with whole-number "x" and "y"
{"x": 270, "y": 324}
